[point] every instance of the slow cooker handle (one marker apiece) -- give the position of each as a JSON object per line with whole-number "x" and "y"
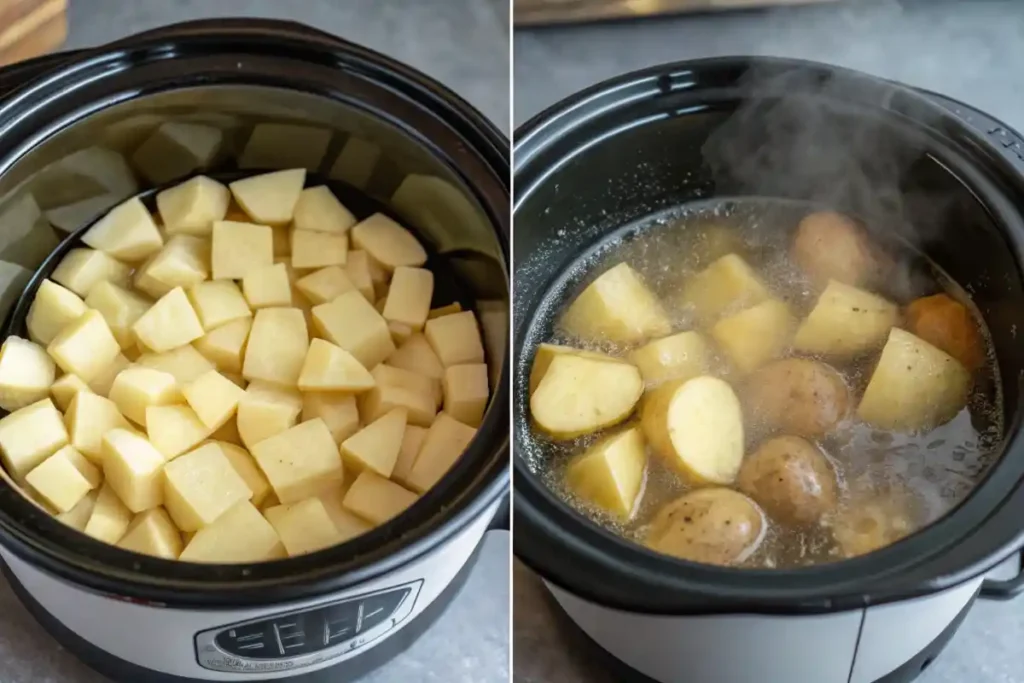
{"x": 1004, "y": 590}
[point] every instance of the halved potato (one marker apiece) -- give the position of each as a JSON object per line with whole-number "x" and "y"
{"x": 712, "y": 525}
{"x": 755, "y": 336}
{"x": 728, "y": 284}
{"x": 845, "y": 322}
{"x": 617, "y": 307}
{"x": 679, "y": 356}
{"x": 581, "y": 395}
{"x": 610, "y": 473}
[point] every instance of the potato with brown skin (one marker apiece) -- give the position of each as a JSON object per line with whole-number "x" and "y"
{"x": 869, "y": 522}
{"x": 947, "y": 324}
{"x": 796, "y": 396}
{"x": 711, "y": 525}
{"x": 831, "y": 246}
{"x": 791, "y": 479}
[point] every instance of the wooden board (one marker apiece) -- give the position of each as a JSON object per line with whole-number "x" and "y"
{"x": 29, "y": 28}
{"x": 536, "y": 12}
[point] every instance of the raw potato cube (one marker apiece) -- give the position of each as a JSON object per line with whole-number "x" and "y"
{"x": 126, "y": 233}
{"x": 246, "y": 467}
{"x": 618, "y": 307}
{"x": 59, "y": 482}
{"x": 375, "y": 447}
{"x": 134, "y": 469}
{"x": 914, "y": 386}
{"x": 318, "y": 209}
{"x": 53, "y": 308}
{"x": 85, "y": 347}
{"x": 399, "y": 389}
{"x": 377, "y": 499}
{"x": 185, "y": 363}
{"x": 416, "y": 355}
{"x": 447, "y": 309}
{"x": 409, "y": 297}
{"x": 455, "y": 339}
{"x": 301, "y": 461}
{"x": 412, "y": 441}
{"x": 444, "y": 443}
{"x": 88, "y": 418}
{"x": 387, "y": 242}
{"x": 239, "y": 535}
{"x": 611, "y": 472}
{"x": 218, "y": 303}
{"x": 174, "y": 429}
{"x": 331, "y": 368}
{"x": 137, "y": 388}
{"x": 214, "y": 398}
{"x": 65, "y": 388}
{"x": 153, "y": 533}
{"x": 727, "y": 285}
{"x": 266, "y": 410}
{"x": 679, "y": 356}
{"x": 579, "y": 395}
{"x": 270, "y": 198}
{"x": 78, "y": 516}
{"x": 268, "y": 286}
{"x": 353, "y": 324}
{"x": 30, "y": 435}
{"x": 103, "y": 382}
{"x": 347, "y": 524}
{"x": 120, "y": 308}
{"x": 26, "y": 373}
{"x": 304, "y": 527}
{"x": 82, "y": 269}
{"x": 318, "y": 249}
{"x": 202, "y": 485}
{"x": 191, "y": 207}
{"x": 755, "y": 336}
{"x": 183, "y": 262}
{"x": 400, "y": 332}
{"x": 239, "y": 248}
{"x": 225, "y": 346}
{"x": 325, "y": 284}
{"x": 92, "y": 473}
{"x": 358, "y": 269}
{"x": 338, "y": 411}
{"x": 170, "y": 323}
{"x": 109, "y": 519}
{"x": 466, "y": 392}
{"x": 845, "y": 322}
{"x": 278, "y": 343}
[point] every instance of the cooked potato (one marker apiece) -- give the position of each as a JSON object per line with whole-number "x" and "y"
{"x": 696, "y": 426}
{"x": 185, "y": 363}
{"x": 134, "y": 468}
{"x": 339, "y": 412}
{"x": 680, "y": 356}
{"x": 26, "y": 373}
{"x": 796, "y": 396}
{"x": 65, "y": 388}
{"x": 60, "y": 482}
{"x": 174, "y": 429}
{"x": 109, "y": 519}
{"x": 713, "y": 526}
{"x": 545, "y": 353}
{"x": 328, "y": 367}
{"x": 270, "y": 198}
{"x": 582, "y": 395}
{"x": 408, "y": 300}
{"x": 325, "y": 284}
{"x": 266, "y": 410}
{"x": 791, "y": 479}
{"x": 88, "y": 418}
{"x": 756, "y": 335}
{"x": 617, "y": 307}
{"x": 845, "y": 322}
{"x": 214, "y": 398}
{"x": 359, "y": 269}
{"x": 136, "y": 388}
{"x": 224, "y": 346}
{"x": 947, "y": 324}
{"x": 312, "y": 249}
{"x": 914, "y": 386}
{"x": 729, "y": 284}
{"x": 831, "y": 246}
{"x": 396, "y": 388}
{"x": 218, "y": 303}
{"x": 610, "y": 473}
{"x": 277, "y": 346}
{"x": 126, "y": 233}
{"x": 171, "y": 322}
{"x": 304, "y": 527}
{"x": 870, "y": 522}
{"x": 192, "y": 207}
{"x": 377, "y": 499}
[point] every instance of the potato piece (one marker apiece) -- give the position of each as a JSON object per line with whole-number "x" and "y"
{"x": 387, "y": 243}
{"x": 184, "y": 362}
{"x": 796, "y": 396}
{"x": 92, "y": 473}
{"x": 218, "y": 303}
{"x": 267, "y": 287}
{"x": 103, "y": 382}
{"x": 200, "y": 486}
{"x": 354, "y": 325}
{"x": 870, "y": 522}
{"x": 60, "y": 483}
{"x": 78, "y": 516}
{"x": 270, "y": 198}
{"x": 175, "y": 429}
{"x": 109, "y": 519}
{"x": 266, "y": 410}
{"x": 791, "y": 479}
{"x": 610, "y": 473}
{"x": 679, "y": 356}
{"x": 191, "y": 207}
{"x": 914, "y": 386}
{"x": 184, "y": 261}
{"x": 26, "y": 373}
{"x": 318, "y": 249}
{"x": 88, "y": 418}
{"x": 755, "y": 336}
{"x": 82, "y": 269}
{"x": 136, "y": 388}
{"x": 455, "y": 339}
{"x": 416, "y": 355}
{"x": 359, "y": 270}
{"x": 375, "y": 447}
{"x": 697, "y": 427}
{"x": 325, "y": 284}
{"x": 126, "y": 233}
{"x": 304, "y": 527}
{"x": 545, "y": 353}
{"x": 347, "y": 525}
{"x": 399, "y": 389}
{"x": 277, "y": 347}
{"x": 238, "y": 249}
{"x": 30, "y": 435}
{"x": 338, "y": 411}
{"x": 134, "y": 469}
{"x": 948, "y": 325}
{"x": 120, "y": 308}
{"x": 330, "y": 368}
{"x": 713, "y": 526}
{"x": 845, "y": 322}
{"x": 447, "y": 309}
{"x": 239, "y": 535}
{"x": 246, "y": 467}
{"x": 408, "y": 300}
{"x": 53, "y": 308}
{"x": 318, "y": 209}
{"x": 225, "y": 346}
{"x": 582, "y": 395}
{"x": 831, "y": 246}
{"x": 466, "y": 392}
{"x": 65, "y": 388}
{"x": 85, "y": 347}
{"x": 444, "y": 443}
{"x": 377, "y": 499}
{"x": 153, "y": 533}
{"x": 412, "y": 441}
{"x": 727, "y": 285}
{"x": 301, "y": 461}
{"x": 214, "y": 398}
{"x": 617, "y": 307}
{"x": 171, "y": 322}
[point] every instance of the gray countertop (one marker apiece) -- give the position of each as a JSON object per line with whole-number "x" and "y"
{"x": 970, "y": 50}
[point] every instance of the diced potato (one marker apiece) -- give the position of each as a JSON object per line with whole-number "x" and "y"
{"x": 325, "y": 284}
{"x": 136, "y": 388}
{"x": 304, "y": 527}
{"x": 377, "y": 499}
{"x": 755, "y": 336}
{"x": 239, "y": 535}
{"x": 375, "y": 447}
{"x": 416, "y": 355}
{"x": 65, "y": 388}
{"x": 270, "y": 198}
{"x": 301, "y": 461}
{"x": 697, "y": 427}
{"x": 246, "y": 467}
{"x": 409, "y": 297}
{"x": 455, "y": 339}
{"x": 104, "y": 381}
{"x": 412, "y": 441}
{"x": 266, "y": 410}
{"x": 134, "y": 469}
{"x": 318, "y": 209}
{"x": 610, "y": 473}
{"x": 183, "y": 262}
{"x": 153, "y": 533}
{"x": 443, "y": 444}
{"x": 218, "y": 303}
{"x": 947, "y": 324}
{"x": 225, "y": 346}
{"x": 617, "y": 307}
{"x": 78, "y": 516}
{"x": 92, "y": 473}
{"x": 171, "y": 322}
{"x": 353, "y": 324}
{"x": 267, "y": 287}
{"x": 120, "y": 308}
{"x": 202, "y": 485}
{"x": 126, "y": 233}
{"x": 240, "y": 248}
{"x": 358, "y": 269}
{"x": 85, "y": 347}
{"x": 579, "y": 395}
{"x": 447, "y": 309}
{"x": 914, "y": 386}
{"x": 331, "y": 368}
{"x": 318, "y": 249}
{"x": 88, "y": 418}
{"x": 82, "y": 269}
{"x": 727, "y": 285}
{"x": 175, "y": 429}
{"x": 109, "y": 519}
{"x": 214, "y": 398}
{"x": 59, "y": 482}
{"x": 277, "y": 347}
{"x": 30, "y": 435}
{"x": 185, "y": 363}
{"x": 338, "y": 411}
{"x": 396, "y": 388}
{"x": 400, "y": 332}
{"x": 466, "y": 391}
{"x": 679, "y": 356}
{"x": 845, "y": 322}
{"x": 26, "y": 373}
{"x": 191, "y": 207}
{"x": 347, "y": 524}
{"x": 387, "y": 242}
{"x": 53, "y": 308}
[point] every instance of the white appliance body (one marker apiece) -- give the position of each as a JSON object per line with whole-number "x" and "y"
{"x": 277, "y": 641}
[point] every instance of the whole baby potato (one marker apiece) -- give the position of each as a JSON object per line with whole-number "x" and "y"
{"x": 791, "y": 479}
{"x": 710, "y": 525}
{"x": 796, "y": 396}
{"x": 831, "y": 246}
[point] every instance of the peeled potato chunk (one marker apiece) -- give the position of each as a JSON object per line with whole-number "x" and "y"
{"x": 679, "y": 356}
{"x": 277, "y": 347}
{"x": 947, "y": 324}
{"x": 225, "y": 346}
{"x": 387, "y": 243}
{"x": 266, "y": 410}
{"x": 60, "y": 482}
{"x": 696, "y": 426}
{"x": 200, "y": 486}
{"x": 796, "y": 396}
{"x": 174, "y": 429}
{"x": 328, "y": 367}
{"x": 191, "y": 207}
{"x": 350, "y": 322}
{"x": 136, "y": 388}
{"x": 339, "y": 412}
{"x": 377, "y": 499}
{"x": 121, "y": 309}
{"x": 831, "y": 246}
{"x": 110, "y": 518}
{"x": 791, "y": 479}
{"x": 728, "y": 284}
{"x": 153, "y": 533}
{"x": 845, "y": 322}
{"x": 268, "y": 286}
{"x": 443, "y": 444}
{"x": 610, "y": 473}
{"x": 301, "y": 461}
{"x": 582, "y": 395}
{"x": 312, "y": 249}
{"x": 914, "y": 386}
{"x": 545, "y": 353}
{"x": 239, "y": 535}
{"x": 617, "y": 307}
{"x": 237, "y": 249}
{"x": 83, "y": 269}
{"x": 127, "y": 232}
{"x": 217, "y": 303}
{"x": 325, "y": 284}
{"x": 26, "y": 373}
{"x": 376, "y": 446}
{"x": 85, "y": 347}
{"x": 171, "y": 322}
{"x": 711, "y": 525}
{"x": 53, "y": 308}
{"x": 270, "y": 198}
{"x": 88, "y": 418}
{"x": 318, "y": 209}
{"x": 304, "y": 527}
{"x": 455, "y": 339}
{"x": 134, "y": 468}
{"x": 183, "y": 262}
{"x": 755, "y": 336}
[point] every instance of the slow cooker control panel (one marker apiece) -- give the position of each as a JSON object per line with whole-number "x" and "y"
{"x": 307, "y": 637}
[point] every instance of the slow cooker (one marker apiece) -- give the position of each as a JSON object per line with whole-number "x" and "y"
{"x": 81, "y": 131}
{"x": 938, "y": 173}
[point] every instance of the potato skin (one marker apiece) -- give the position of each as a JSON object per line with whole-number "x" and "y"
{"x": 945, "y": 323}
{"x": 711, "y": 525}
{"x": 831, "y": 246}
{"x": 797, "y": 396}
{"x": 791, "y": 479}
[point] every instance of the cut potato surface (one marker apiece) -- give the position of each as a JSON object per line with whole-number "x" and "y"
{"x": 237, "y": 249}
{"x": 85, "y": 347}
{"x": 311, "y": 249}
{"x": 175, "y": 429}
{"x": 396, "y": 388}
{"x": 267, "y": 286}
{"x": 376, "y": 446}
{"x": 755, "y": 336}
{"x": 136, "y": 388}
{"x": 126, "y": 233}
{"x": 304, "y": 527}
{"x": 582, "y": 395}
{"x": 266, "y": 410}
{"x": 277, "y": 347}
{"x": 270, "y": 198}
{"x": 466, "y": 392}
{"x": 412, "y": 441}
{"x": 387, "y": 243}
{"x": 192, "y": 207}
{"x": 65, "y": 388}
{"x": 102, "y": 383}
{"x": 325, "y": 284}
{"x": 121, "y": 309}
{"x": 408, "y": 300}
{"x": 377, "y": 499}
{"x": 339, "y": 411}
{"x": 443, "y": 444}
{"x": 610, "y": 473}
{"x": 679, "y": 356}
{"x": 60, "y": 482}
{"x": 133, "y": 469}
{"x": 153, "y": 533}
{"x": 218, "y": 303}
{"x": 455, "y": 339}
{"x": 214, "y": 398}
{"x": 109, "y": 519}
{"x": 26, "y": 373}
{"x": 245, "y": 465}
{"x": 53, "y": 308}
{"x": 171, "y": 322}
{"x": 82, "y": 269}
{"x": 617, "y": 307}
{"x": 845, "y": 322}
{"x": 223, "y": 346}
{"x": 241, "y": 534}
{"x": 331, "y": 368}
{"x": 184, "y": 363}
{"x": 318, "y": 209}
{"x": 183, "y": 262}
{"x": 300, "y": 461}
{"x": 200, "y": 486}
{"x": 353, "y": 324}
{"x": 89, "y": 416}
{"x": 729, "y": 284}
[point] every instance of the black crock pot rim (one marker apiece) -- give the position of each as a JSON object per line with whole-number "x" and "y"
{"x": 656, "y": 583}
{"x": 109, "y": 570}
